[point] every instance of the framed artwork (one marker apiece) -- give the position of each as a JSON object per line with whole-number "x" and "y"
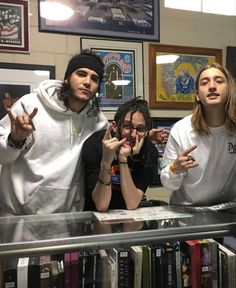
{"x": 165, "y": 123}
{"x": 138, "y": 19}
{"x": 172, "y": 73}
{"x": 231, "y": 60}
{"x": 14, "y": 25}
{"x": 123, "y": 70}
{"x": 17, "y": 80}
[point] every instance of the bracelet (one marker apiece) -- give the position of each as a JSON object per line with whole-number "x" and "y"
{"x": 15, "y": 144}
{"x": 123, "y": 162}
{"x": 171, "y": 167}
{"x": 104, "y": 183}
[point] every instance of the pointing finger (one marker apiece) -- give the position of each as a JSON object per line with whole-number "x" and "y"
{"x": 190, "y": 149}
{"x": 121, "y": 141}
{"x": 107, "y": 135}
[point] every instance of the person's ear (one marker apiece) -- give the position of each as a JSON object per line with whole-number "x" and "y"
{"x": 67, "y": 80}
{"x": 197, "y": 97}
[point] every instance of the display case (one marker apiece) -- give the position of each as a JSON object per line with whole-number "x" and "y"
{"x": 57, "y": 233}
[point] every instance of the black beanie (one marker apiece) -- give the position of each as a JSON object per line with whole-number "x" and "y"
{"x": 85, "y": 60}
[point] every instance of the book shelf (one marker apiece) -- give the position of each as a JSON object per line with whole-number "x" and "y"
{"x": 58, "y": 233}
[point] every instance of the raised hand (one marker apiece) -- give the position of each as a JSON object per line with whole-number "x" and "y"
{"x": 20, "y": 125}
{"x": 110, "y": 145}
{"x": 184, "y": 161}
{"x": 126, "y": 151}
{"x": 159, "y": 135}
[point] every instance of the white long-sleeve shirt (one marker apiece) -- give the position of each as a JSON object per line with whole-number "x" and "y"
{"x": 46, "y": 175}
{"x": 214, "y": 180}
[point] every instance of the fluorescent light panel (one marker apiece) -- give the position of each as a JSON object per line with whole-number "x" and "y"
{"x": 192, "y": 5}
{"x": 226, "y": 7}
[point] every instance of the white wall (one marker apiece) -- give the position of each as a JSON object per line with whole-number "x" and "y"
{"x": 176, "y": 28}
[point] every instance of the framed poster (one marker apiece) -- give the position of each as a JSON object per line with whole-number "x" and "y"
{"x": 123, "y": 70}
{"x": 231, "y": 60}
{"x": 172, "y": 73}
{"x": 139, "y": 20}
{"x": 164, "y": 123}
{"x": 14, "y": 26}
{"x": 17, "y": 80}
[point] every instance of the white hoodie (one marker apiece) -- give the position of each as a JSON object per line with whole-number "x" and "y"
{"x": 46, "y": 175}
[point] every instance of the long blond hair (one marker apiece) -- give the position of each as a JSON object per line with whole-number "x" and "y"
{"x": 198, "y": 117}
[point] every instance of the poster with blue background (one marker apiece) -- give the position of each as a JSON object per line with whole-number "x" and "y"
{"x": 119, "y": 82}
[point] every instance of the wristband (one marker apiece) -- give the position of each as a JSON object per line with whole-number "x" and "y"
{"x": 104, "y": 183}
{"x": 15, "y": 144}
{"x": 123, "y": 162}
{"x": 171, "y": 167}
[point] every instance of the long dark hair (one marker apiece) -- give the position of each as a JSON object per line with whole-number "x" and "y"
{"x": 133, "y": 106}
{"x": 65, "y": 91}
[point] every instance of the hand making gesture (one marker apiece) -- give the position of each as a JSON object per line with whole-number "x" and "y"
{"x": 110, "y": 146}
{"x": 21, "y": 126}
{"x": 159, "y": 135}
{"x": 127, "y": 150}
{"x": 184, "y": 161}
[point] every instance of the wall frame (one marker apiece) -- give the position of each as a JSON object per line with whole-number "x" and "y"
{"x": 164, "y": 123}
{"x": 14, "y": 26}
{"x": 139, "y": 20}
{"x": 17, "y": 80}
{"x": 123, "y": 61}
{"x": 231, "y": 60}
{"x": 172, "y": 83}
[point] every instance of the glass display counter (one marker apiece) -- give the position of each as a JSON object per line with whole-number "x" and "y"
{"x": 55, "y": 233}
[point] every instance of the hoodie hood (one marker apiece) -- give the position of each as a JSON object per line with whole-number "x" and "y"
{"x": 46, "y": 94}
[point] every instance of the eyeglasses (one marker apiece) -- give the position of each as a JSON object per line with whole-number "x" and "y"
{"x": 129, "y": 128}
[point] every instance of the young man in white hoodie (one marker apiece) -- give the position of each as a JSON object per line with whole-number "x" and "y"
{"x": 41, "y": 140}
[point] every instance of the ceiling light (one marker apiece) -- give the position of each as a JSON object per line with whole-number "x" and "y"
{"x": 163, "y": 59}
{"x": 55, "y": 11}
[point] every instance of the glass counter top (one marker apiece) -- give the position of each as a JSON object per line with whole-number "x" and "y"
{"x": 53, "y": 233}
